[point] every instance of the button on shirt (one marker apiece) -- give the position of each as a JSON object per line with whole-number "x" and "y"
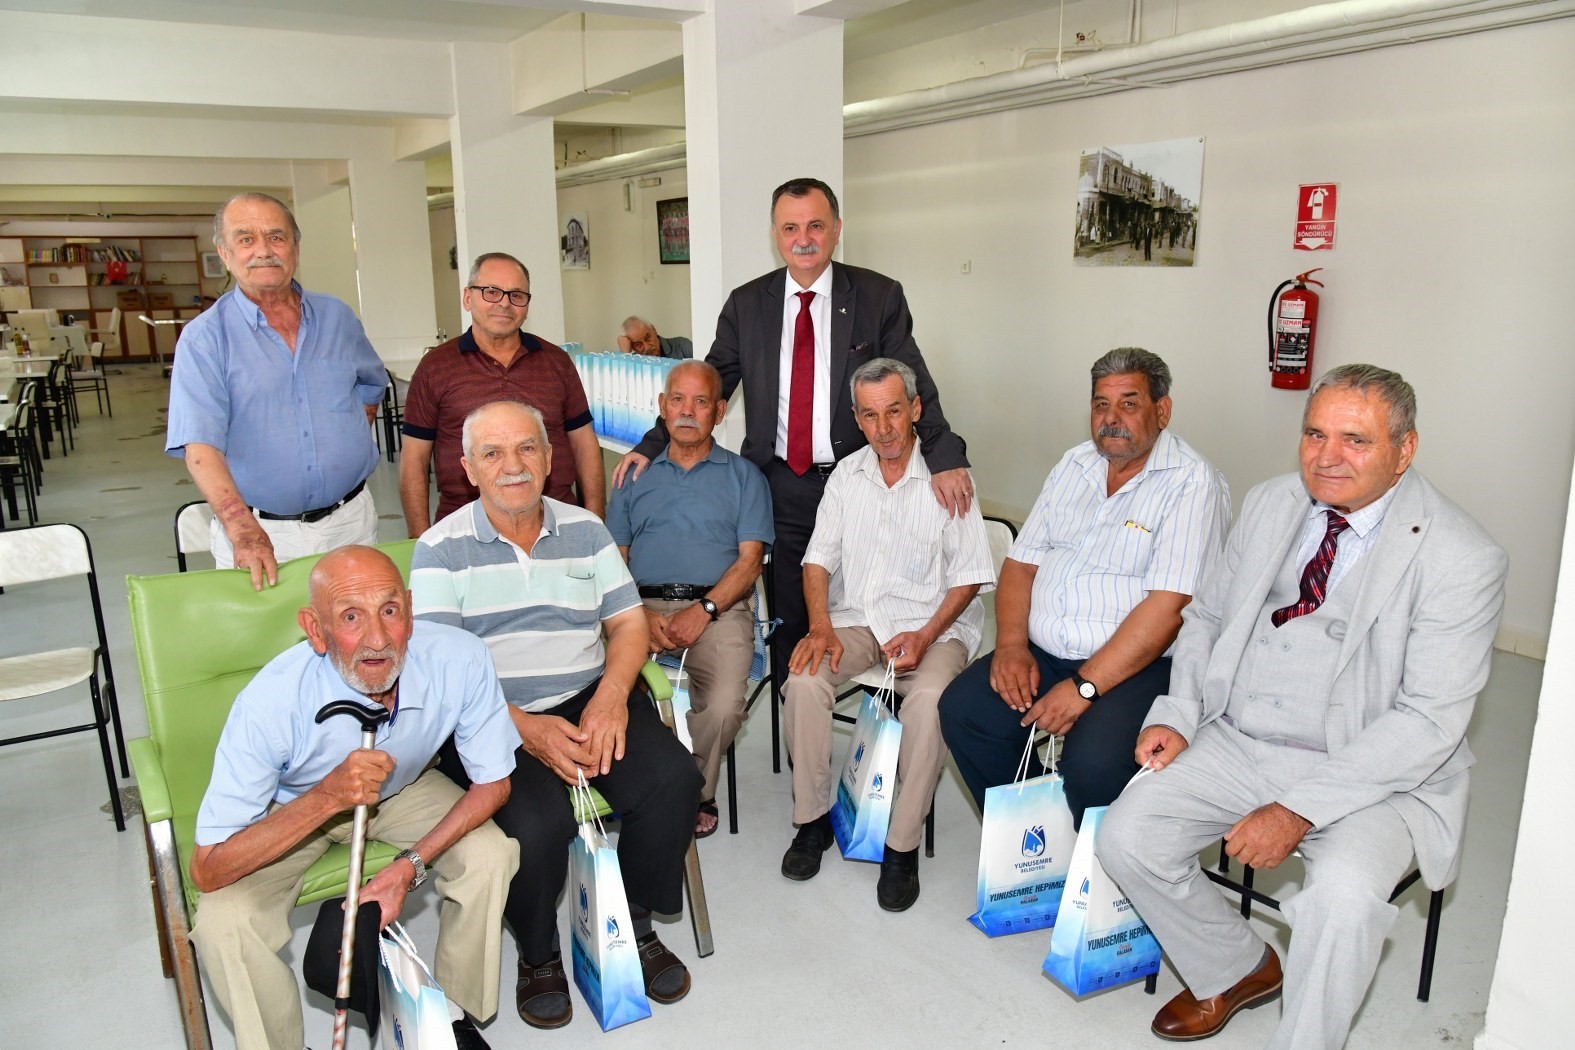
{"x": 273, "y": 750}
{"x": 540, "y": 613}
{"x": 820, "y": 313}
{"x": 1099, "y": 556}
{"x": 684, "y": 526}
{"x": 292, "y": 426}
{"x": 893, "y": 553}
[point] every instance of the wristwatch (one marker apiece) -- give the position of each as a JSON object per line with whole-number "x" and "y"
{"x": 1085, "y": 689}
{"x": 416, "y": 862}
{"x": 711, "y": 610}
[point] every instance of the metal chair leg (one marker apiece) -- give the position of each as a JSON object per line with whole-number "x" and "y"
{"x": 177, "y": 934}
{"x": 732, "y": 791}
{"x": 699, "y": 911}
{"x": 1435, "y": 912}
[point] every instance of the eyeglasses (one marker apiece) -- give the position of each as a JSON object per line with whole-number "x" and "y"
{"x": 495, "y": 295}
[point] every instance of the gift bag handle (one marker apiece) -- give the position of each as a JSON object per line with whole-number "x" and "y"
{"x": 582, "y": 797}
{"x": 678, "y": 682}
{"x": 887, "y": 693}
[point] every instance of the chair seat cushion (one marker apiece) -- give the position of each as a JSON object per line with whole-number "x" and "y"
{"x": 39, "y": 673}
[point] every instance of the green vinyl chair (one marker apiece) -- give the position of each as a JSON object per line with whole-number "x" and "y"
{"x": 200, "y": 638}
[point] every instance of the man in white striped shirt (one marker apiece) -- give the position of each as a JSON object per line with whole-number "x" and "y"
{"x": 1091, "y": 595}
{"x": 889, "y": 575}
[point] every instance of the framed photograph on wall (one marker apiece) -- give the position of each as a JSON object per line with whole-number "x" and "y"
{"x": 1139, "y": 205}
{"x": 212, "y": 266}
{"x": 672, "y": 230}
{"x": 575, "y": 245}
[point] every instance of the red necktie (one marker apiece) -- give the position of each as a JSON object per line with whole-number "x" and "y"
{"x": 801, "y": 391}
{"x": 1315, "y": 577}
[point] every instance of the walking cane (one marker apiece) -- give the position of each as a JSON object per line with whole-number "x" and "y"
{"x": 369, "y": 718}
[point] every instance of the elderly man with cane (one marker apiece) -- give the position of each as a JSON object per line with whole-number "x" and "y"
{"x": 287, "y": 773}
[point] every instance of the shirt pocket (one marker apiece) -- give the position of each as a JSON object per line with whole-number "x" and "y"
{"x": 1121, "y": 547}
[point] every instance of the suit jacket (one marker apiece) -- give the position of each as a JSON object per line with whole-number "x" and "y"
{"x": 1414, "y": 654}
{"x": 869, "y": 319}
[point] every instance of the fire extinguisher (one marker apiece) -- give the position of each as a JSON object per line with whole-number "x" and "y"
{"x": 1293, "y": 324}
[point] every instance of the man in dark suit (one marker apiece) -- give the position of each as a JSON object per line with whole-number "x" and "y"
{"x": 792, "y": 345}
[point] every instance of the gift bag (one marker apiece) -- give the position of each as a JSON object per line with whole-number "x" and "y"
{"x": 1099, "y": 941}
{"x": 1024, "y": 851}
{"x": 415, "y": 1013}
{"x": 868, "y": 783}
{"x": 681, "y": 705}
{"x": 606, "y": 961}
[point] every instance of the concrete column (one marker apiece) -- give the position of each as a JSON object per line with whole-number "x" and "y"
{"x": 505, "y": 194}
{"x": 322, "y": 209}
{"x": 393, "y": 248}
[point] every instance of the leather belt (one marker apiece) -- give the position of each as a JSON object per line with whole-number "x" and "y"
{"x": 312, "y": 515}
{"x": 676, "y": 592}
{"x": 821, "y": 469}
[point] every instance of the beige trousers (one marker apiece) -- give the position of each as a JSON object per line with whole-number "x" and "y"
{"x": 717, "y": 672}
{"x": 241, "y": 928}
{"x": 806, "y": 723}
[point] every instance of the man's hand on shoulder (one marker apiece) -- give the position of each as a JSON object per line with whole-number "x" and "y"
{"x": 358, "y": 780}
{"x": 820, "y": 643}
{"x": 953, "y": 490}
{"x": 1158, "y": 746}
{"x": 629, "y": 467}
{"x": 1014, "y": 675}
{"x": 1266, "y": 836}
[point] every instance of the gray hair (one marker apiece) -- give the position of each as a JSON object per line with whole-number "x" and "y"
{"x": 1128, "y": 360}
{"x": 257, "y": 197}
{"x": 486, "y": 257}
{"x": 638, "y": 322}
{"x": 1390, "y": 386}
{"x": 475, "y": 413}
{"x": 705, "y": 367}
{"x": 877, "y": 371}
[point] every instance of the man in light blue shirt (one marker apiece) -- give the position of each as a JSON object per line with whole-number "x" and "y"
{"x": 283, "y": 787}
{"x": 1091, "y": 595}
{"x": 271, "y": 401}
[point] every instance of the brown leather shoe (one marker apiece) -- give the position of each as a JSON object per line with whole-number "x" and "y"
{"x": 1184, "y": 1018}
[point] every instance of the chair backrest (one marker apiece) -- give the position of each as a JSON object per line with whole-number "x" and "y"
{"x": 43, "y": 552}
{"x": 193, "y": 530}
{"x": 114, "y": 322}
{"x": 200, "y": 638}
{"x": 1002, "y": 534}
{"x": 36, "y": 323}
{"x": 96, "y": 352}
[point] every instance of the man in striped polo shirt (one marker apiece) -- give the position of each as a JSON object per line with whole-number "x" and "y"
{"x": 542, "y": 583}
{"x": 1092, "y": 593}
{"x": 890, "y": 576}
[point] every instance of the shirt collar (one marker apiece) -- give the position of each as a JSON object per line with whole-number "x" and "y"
{"x": 1165, "y": 455}
{"x": 822, "y": 285}
{"x": 1365, "y": 520}
{"x": 467, "y": 342}
{"x": 869, "y": 466}
{"x": 486, "y": 532}
{"x": 253, "y": 315}
{"x": 716, "y": 455}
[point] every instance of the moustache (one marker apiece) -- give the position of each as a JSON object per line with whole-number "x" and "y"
{"x": 257, "y": 264}
{"x": 524, "y": 477}
{"x": 1111, "y": 431}
{"x": 805, "y": 249}
{"x": 686, "y": 421}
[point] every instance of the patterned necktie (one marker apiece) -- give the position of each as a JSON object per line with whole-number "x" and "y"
{"x": 801, "y": 391}
{"x": 1315, "y": 577}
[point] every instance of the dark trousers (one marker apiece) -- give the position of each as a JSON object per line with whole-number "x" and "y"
{"x": 1096, "y": 760}
{"x": 655, "y": 789}
{"x": 794, "y": 501}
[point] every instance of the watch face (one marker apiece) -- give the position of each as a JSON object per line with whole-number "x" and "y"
{"x": 1086, "y": 690}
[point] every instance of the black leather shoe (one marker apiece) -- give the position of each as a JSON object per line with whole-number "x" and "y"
{"x": 898, "y": 887}
{"x": 541, "y": 994}
{"x": 467, "y": 1037}
{"x": 801, "y": 862}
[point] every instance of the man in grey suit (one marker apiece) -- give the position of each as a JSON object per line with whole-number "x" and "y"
{"x": 1319, "y": 696}
{"x": 792, "y": 339}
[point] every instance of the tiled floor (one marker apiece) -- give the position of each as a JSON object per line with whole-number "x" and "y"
{"x": 795, "y": 964}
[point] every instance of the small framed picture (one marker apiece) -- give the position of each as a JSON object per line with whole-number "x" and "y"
{"x": 212, "y": 266}
{"x": 672, "y": 230}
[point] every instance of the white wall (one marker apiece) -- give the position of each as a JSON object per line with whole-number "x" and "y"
{"x": 446, "y": 282}
{"x": 1453, "y": 159}
{"x": 626, "y": 276}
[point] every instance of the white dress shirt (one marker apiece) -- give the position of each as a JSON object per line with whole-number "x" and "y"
{"x": 893, "y": 553}
{"x": 820, "y": 314}
{"x": 1351, "y": 544}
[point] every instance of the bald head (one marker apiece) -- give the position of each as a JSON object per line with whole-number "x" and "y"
{"x": 359, "y": 617}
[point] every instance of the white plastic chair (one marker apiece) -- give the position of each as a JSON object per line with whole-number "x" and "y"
{"x": 52, "y": 552}
{"x": 193, "y": 531}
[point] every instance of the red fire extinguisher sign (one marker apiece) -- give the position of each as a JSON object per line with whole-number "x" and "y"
{"x": 1316, "y": 204}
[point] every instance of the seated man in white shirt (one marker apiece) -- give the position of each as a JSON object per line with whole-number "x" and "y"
{"x": 889, "y": 575}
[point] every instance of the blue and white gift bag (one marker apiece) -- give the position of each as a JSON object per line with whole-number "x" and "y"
{"x": 1024, "y": 851}
{"x": 412, "y": 1006}
{"x": 1100, "y": 940}
{"x": 606, "y": 960}
{"x": 862, "y": 811}
{"x": 681, "y": 704}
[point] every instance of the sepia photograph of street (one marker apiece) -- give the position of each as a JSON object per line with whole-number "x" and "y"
{"x": 1138, "y": 205}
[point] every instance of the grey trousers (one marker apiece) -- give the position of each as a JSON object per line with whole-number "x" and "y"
{"x": 1149, "y": 844}
{"x": 806, "y": 723}
{"x": 241, "y": 928}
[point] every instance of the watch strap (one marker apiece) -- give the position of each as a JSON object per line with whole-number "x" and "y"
{"x": 416, "y": 862}
{"x": 1085, "y": 689}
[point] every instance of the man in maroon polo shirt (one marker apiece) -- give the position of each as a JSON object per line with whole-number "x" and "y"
{"x": 495, "y": 360}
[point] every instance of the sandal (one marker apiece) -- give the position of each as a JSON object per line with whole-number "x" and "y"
{"x": 703, "y": 829}
{"x": 666, "y": 977}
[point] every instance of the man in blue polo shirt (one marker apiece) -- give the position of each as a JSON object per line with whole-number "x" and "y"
{"x": 694, "y": 529}
{"x": 271, "y": 402}
{"x": 542, "y": 584}
{"x": 283, "y": 787}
